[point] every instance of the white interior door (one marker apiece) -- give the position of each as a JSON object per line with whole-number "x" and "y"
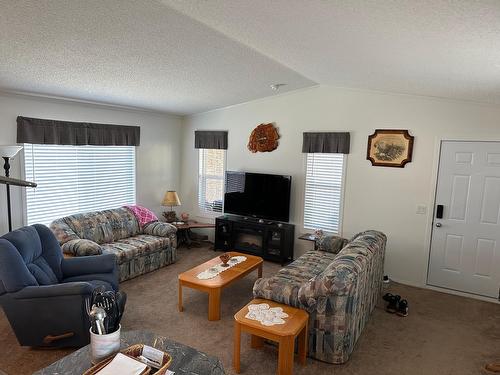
{"x": 465, "y": 246}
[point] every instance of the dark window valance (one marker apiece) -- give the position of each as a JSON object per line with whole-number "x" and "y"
{"x": 328, "y": 143}
{"x": 53, "y": 132}
{"x": 210, "y": 139}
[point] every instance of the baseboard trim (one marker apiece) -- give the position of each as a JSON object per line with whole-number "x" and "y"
{"x": 448, "y": 291}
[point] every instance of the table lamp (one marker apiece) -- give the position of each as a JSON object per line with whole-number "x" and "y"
{"x": 7, "y": 152}
{"x": 170, "y": 199}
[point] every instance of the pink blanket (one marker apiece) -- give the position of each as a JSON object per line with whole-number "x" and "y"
{"x": 142, "y": 214}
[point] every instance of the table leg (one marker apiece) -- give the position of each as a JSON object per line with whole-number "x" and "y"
{"x": 256, "y": 342}
{"x": 259, "y": 271}
{"x": 285, "y": 356}
{"x": 181, "y": 308}
{"x": 187, "y": 234}
{"x": 214, "y": 304}
{"x": 180, "y": 237}
{"x": 237, "y": 347}
{"x": 302, "y": 343}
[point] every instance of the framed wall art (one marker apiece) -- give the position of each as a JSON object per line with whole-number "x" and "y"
{"x": 390, "y": 148}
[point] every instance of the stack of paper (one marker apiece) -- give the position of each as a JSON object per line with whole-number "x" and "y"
{"x": 123, "y": 365}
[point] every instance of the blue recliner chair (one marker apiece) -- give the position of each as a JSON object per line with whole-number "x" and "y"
{"x": 43, "y": 294}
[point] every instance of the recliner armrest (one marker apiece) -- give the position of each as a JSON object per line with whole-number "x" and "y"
{"x": 56, "y": 290}
{"x": 105, "y": 263}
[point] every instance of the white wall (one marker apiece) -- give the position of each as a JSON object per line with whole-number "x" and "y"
{"x": 157, "y": 157}
{"x": 375, "y": 197}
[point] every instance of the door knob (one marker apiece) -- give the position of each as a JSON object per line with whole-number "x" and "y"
{"x": 438, "y": 225}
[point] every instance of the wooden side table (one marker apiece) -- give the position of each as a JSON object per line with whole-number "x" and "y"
{"x": 296, "y": 325}
{"x": 184, "y": 231}
{"x": 309, "y": 237}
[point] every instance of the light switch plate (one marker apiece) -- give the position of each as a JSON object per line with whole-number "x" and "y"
{"x": 421, "y": 209}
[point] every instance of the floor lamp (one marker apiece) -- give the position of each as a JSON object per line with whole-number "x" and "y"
{"x": 7, "y": 153}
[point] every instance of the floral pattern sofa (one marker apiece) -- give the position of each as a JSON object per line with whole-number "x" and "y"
{"x": 338, "y": 284}
{"x": 138, "y": 250}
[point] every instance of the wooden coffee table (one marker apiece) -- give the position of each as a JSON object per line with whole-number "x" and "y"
{"x": 215, "y": 285}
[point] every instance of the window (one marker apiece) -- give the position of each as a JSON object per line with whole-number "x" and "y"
{"x": 211, "y": 180}
{"x": 73, "y": 179}
{"x": 324, "y": 191}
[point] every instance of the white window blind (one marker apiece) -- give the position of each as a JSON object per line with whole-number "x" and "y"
{"x": 323, "y": 191}
{"x": 211, "y": 180}
{"x": 74, "y": 179}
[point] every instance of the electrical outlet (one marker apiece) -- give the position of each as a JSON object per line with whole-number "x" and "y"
{"x": 421, "y": 209}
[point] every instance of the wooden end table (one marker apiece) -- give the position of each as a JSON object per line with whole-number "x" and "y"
{"x": 215, "y": 285}
{"x": 309, "y": 237}
{"x": 296, "y": 325}
{"x": 184, "y": 232}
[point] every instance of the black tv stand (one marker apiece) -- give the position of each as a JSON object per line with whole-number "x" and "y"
{"x": 268, "y": 239}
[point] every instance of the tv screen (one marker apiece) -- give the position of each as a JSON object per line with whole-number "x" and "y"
{"x": 265, "y": 196}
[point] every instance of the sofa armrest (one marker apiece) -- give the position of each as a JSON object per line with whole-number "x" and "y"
{"x": 278, "y": 290}
{"x": 105, "y": 263}
{"x": 338, "y": 283}
{"x": 81, "y": 247}
{"x": 160, "y": 229}
{"x": 330, "y": 244}
{"x": 56, "y": 290}
{"x": 63, "y": 231}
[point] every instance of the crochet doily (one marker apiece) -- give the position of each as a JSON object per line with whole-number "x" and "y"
{"x": 215, "y": 270}
{"x": 267, "y": 316}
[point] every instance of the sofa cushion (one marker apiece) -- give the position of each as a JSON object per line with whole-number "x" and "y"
{"x": 92, "y": 226}
{"x": 100, "y": 226}
{"x": 122, "y": 222}
{"x": 133, "y": 247}
{"x": 284, "y": 286}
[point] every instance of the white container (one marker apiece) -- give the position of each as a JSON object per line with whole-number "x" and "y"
{"x": 102, "y": 346}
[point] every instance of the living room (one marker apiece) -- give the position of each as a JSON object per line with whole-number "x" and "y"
{"x": 175, "y": 68}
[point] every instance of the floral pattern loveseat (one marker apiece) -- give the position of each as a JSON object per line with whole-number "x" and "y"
{"x": 338, "y": 285}
{"x": 138, "y": 250}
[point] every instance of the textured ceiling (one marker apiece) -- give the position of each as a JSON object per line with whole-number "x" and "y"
{"x": 428, "y": 47}
{"x": 135, "y": 53}
{"x": 188, "y": 56}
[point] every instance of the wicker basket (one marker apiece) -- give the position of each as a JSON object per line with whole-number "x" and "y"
{"x": 134, "y": 352}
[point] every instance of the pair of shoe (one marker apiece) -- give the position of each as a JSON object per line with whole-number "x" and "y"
{"x": 396, "y": 305}
{"x": 492, "y": 368}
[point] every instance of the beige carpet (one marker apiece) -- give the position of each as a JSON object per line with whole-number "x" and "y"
{"x": 443, "y": 334}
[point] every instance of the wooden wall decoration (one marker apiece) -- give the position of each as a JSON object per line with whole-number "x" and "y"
{"x": 390, "y": 148}
{"x": 264, "y": 138}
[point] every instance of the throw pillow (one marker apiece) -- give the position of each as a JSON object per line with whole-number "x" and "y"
{"x": 81, "y": 247}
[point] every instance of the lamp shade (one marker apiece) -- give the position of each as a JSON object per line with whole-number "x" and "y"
{"x": 171, "y": 199}
{"x": 9, "y": 151}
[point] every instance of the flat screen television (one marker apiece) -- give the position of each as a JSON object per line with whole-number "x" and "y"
{"x": 264, "y": 196}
